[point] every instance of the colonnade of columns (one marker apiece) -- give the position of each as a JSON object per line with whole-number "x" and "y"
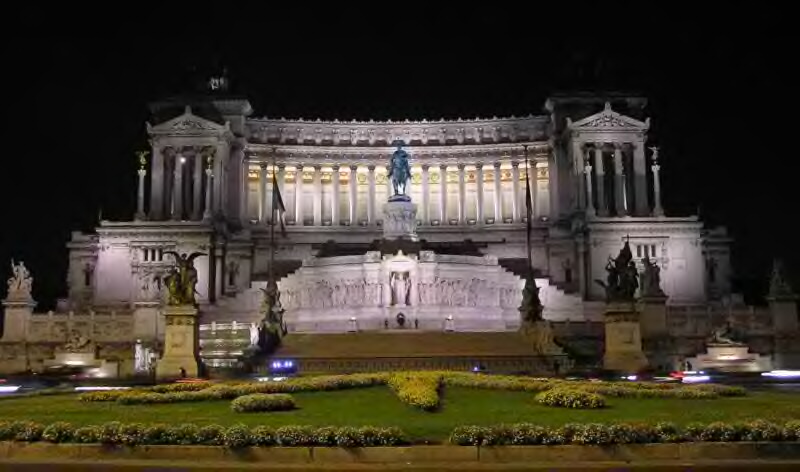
{"x": 429, "y": 213}
{"x": 614, "y": 179}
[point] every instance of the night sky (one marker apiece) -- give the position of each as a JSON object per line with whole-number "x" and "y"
{"x": 75, "y": 107}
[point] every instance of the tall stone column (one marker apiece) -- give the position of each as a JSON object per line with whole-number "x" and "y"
{"x": 515, "y": 191}
{"x": 578, "y": 160}
{"x": 353, "y": 195}
{"x": 479, "y": 191}
{"x": 177, "y": 191}
{"x": 640, "y": 179}
{"x": 317, "y": 195}
{"x": 298, "y": 195}
{"x": 371, "y": 195}
{"x": 335, "y": 195}
{"x": 443, "y": 194}
{"x": 426, "y": 195}
{"x": 498, "y": 196}
{"x": 619, "y": 182}
{"x": 282, "y": 181}
{"x": 658, "y": 210}
{"x": 587, "y": 171}
{"x": 140, "y": 215}
{"x": 262, "y": 194}
{"x": 462, "y": 196}
{"x": 197, "y": 187}
{"x": 209, "y": 189}
{"x": 599, "y": 172}
{"x": 157, "y": 184}
{"x": 531, "y": 180}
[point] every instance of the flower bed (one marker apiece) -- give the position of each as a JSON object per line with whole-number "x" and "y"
{"x": 133, "y": 434}
{"x": 601, "y": 434}
{"x": 570, "y": 398}
{"x": 419, "y": 389}
{"x": 262, "y": 402}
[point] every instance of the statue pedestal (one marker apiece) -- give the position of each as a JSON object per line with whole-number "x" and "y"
{"x": 180, "y": 343}
{"x": 623, "y": 339}
{"x": 400, "y": 220}
{"x": 730, "y": 358}
{"x": 654, "y": 316}
{"x": 18, "y": 311}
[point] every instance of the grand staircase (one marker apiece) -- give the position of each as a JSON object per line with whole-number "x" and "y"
{"x": 506, "y": 352}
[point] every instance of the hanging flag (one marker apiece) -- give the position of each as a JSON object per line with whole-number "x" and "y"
{"x": 528, "y": 212}
{"x": 278, "y": 209}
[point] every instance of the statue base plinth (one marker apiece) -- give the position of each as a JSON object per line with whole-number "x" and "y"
{"x": 400, "y": 219}
{"x": 180, "y": 343}
{"x": 623, "y": 339}
{"x": 730, "y": 358}
{"x": 399, "y": 198}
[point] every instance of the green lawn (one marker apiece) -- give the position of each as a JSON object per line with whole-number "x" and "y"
{"x": 378, "y": 406}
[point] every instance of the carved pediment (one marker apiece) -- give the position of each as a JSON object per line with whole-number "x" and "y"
{"x": 188, "y": 124}
{"x": 608, "y": 120}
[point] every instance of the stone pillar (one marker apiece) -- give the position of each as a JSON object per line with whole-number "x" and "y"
{"x": 371, "y": 195}
{"x": 599, "y": 171}
{"x": 209, "y": 189}
{"x": 317, "y": 182}
{"x": 262, "y": 194}
{"x": 658, "y": 210}
{"x": 515, "y": 192}
{"x": 619, "y": 182}
{"x": 197, "y": 187}
{"x": 157, "y": 184}
{"x": 177, "y": 190}
{"x": 140, "y": 215}
{"x": 180, "y": 343}
{"x": 426, "y": 195}
{"x": 462, "y": 196}
{"x": 443, "y": 194}
{"x": 531, "y": 181}
{"x": 654, "y": 316}
{"x": 578, "y": 160}
{"x": 640, "y": 179}
{"x": 335, "y": 195}
{"x": 18, "y": 312}
{"x": 298, "y": 195}
{"x": 353, "y": 194}
{"x": 479, "y": 191}
{"x": 587, "y": 171}
{"x": 498, "y": 196}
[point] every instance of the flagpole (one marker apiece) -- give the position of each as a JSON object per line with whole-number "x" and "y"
{"x": 529, "y": 213}
{"x": 271, "y": 279}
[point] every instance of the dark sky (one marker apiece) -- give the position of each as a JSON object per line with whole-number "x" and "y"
{"x": 719, "y": 98}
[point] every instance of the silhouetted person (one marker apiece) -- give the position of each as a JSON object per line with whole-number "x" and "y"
{"x": 183, "y": 373}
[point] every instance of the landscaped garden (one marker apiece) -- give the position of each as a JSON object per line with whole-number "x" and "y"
{"x": 416, "y": 407}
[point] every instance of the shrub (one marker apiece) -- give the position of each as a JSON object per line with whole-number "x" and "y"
{"x": 527, "y": 434}
{"x": 211, "y": 435}
{"x": 109, "y": 433}
{"x": 326, "y": 436}
{"x": 295, "y": 436}
{"x": 719, "y": 431}
{"x": 183, "y": 434}
{"x": 157, "y": 434}
{"x": 761, "y": 430}
{"x": 570, "y": 398}
{"x": 791, "y": 430}
{"x": 237, "y": 436}
{"x": 132, "y": 434}
{"x": 102, "y": 396}
{"x": 591, "y": 433}
{"x": 262, "y": 402}
{"x": 419, "y": 389}
{"x": 28, "y": 431}
{"x": 668, "y": 432}
{"x": 348, "y": 436}
{"x": 470, "y": 435}
{"x": 262, "y": 436}
{"x": 86, "y": 435}
{"x": 178, "y": 387}
{"x": 58, "y": 432}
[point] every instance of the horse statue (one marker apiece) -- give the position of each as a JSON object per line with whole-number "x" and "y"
{"x": 399, "y": 172}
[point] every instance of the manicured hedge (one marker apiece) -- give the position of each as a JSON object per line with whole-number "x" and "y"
{"x": 262, "y": 402}
{"x": 601, "y": 434}
{"x": 570, "y": 398}
{"x": 419, "y": 389}
{"x": 133, "y": 434}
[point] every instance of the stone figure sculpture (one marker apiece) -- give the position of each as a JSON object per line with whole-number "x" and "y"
{"x": 20, "y": 282}
{"x": 254, "y": 334}
{"x": 399, "y": 173}
{"x": 141, "y": 358}
{"x": 182, "y": 279}
{"x": 778, "y": 286}
{"x": 531, "y": 306}
{"x": 273, "y": 310}
{"x": 651, "y": 279}
{"x": 723, "y": 335}
{"x": 401, "y": 286}
{"x": 622, "y": 277}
